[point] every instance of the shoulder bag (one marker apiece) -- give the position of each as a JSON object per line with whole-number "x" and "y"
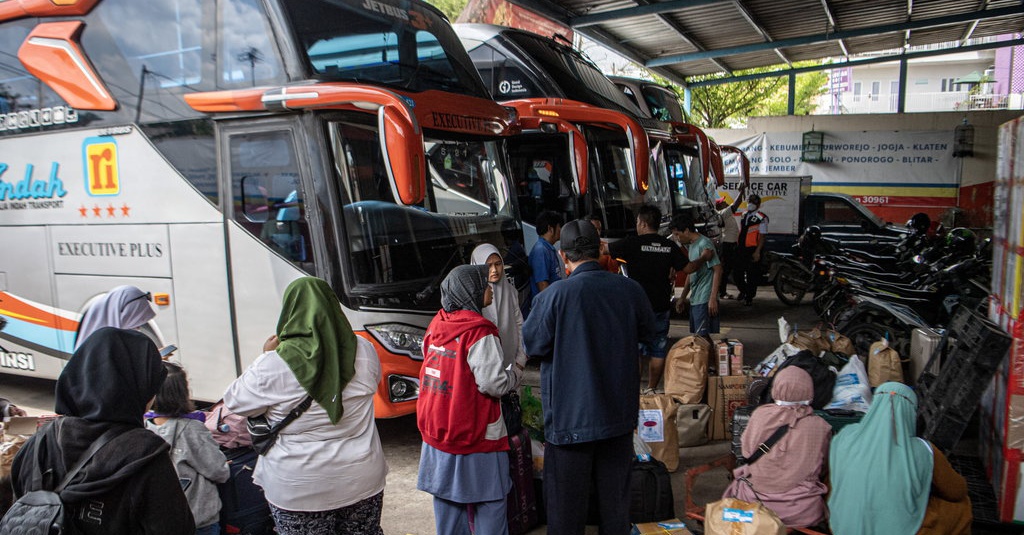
{"x": 264, "y": 435}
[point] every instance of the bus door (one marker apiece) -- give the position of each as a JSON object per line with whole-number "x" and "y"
{"x": 262, "y": 170}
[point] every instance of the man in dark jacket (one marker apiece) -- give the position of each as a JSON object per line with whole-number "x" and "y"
{"x": 586, "y": 330}
{"x": 130, "y": 485}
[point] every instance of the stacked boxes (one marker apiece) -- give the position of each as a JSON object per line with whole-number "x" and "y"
{"x": 730, "y": 357}
{"x": 1002, "y": 407}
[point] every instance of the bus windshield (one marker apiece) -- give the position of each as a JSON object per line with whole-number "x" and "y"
{"x": 390, "y": 42}
{"x": 398, "y": 254}
{"x": 577, "y": 76}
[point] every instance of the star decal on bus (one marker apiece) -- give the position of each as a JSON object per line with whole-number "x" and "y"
{"x": 110, "y": 209}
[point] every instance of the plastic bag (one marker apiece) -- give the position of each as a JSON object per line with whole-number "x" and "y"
{"x": 852, "y": 391}
{"x": 772, "y": 361}
{"x": 533, "y": 414}
{"x": 641, "y": 449}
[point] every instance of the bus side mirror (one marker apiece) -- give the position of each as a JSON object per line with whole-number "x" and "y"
{"x": 579, "y": 157}
{"x": 404, "y": 157}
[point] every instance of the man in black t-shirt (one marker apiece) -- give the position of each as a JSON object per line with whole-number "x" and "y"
{"x": 652, "y": 260}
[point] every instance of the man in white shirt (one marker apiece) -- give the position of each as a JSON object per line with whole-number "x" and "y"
{"x": 730, "y": 233}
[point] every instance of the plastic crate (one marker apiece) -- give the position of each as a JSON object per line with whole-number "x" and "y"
{"x": 945, "y": 430}
{"x": 960, "y": 318}
{"x": 978, "y": 340}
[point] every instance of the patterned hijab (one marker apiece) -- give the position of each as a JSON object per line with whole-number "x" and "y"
{"x": 463, "y": 289}
{"x": 881, "y": 465}
{"x": 124, "y": 307}
{"x": 317, "y": 342}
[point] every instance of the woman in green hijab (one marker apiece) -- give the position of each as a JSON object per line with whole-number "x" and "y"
{"x": 887, "y": 481}
{"x": 325, "y": 473}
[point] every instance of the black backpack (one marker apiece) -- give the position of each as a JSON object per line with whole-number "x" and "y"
{"x": 41, "y": 512}
{"x": 823, "y": 377}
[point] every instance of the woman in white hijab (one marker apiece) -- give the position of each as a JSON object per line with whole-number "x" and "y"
{"x": 504, "y": 310}
{"x": 124, "y": 307}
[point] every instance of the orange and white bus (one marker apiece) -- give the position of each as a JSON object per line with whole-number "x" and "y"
{"x": 212, "y": 151}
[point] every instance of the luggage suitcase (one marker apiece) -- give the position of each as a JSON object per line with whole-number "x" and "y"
{"x": 243, "y": 509}
{"x": 740, "y": 419}
{"x": 650, "y": 493}
{"x": 523, "y": 512}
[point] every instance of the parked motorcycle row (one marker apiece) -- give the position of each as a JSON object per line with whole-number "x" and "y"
{"x": 916, "y": 283}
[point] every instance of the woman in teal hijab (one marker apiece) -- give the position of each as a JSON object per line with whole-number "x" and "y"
{"x": 883, "y": 475}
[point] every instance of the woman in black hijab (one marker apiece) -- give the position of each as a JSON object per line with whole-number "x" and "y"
{"x": 130, "y": 485}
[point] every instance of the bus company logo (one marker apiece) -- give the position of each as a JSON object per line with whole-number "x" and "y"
{"x": 101, "y": 170}
{"x": 386, "y": 9}
{"x": 17, "y": 361}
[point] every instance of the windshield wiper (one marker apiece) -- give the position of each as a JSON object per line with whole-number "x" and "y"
{"x": 435, "y": 283}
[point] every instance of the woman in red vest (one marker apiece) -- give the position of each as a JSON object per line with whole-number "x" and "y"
{"x": 463, "y": 461}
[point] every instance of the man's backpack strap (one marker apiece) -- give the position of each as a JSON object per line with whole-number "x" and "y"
{"x": 103, "y": 439}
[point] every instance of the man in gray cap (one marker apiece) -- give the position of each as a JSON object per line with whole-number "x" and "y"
{"x": 586, "y": 330}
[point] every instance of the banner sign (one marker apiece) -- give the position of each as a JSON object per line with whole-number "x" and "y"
{"x": 879, "y": 168}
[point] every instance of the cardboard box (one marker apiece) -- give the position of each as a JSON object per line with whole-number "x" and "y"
{"x": 723, "y": 358}
{"x": 666, "y": 527}
{"x": 23, "y": 425}
{"x": 736, "y": 358}
{"x": 725, "y": 394}
{"x": 730, "y": 357}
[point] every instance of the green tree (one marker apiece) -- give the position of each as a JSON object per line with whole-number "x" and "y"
{"x": 725, "y": 105}
{"x": 451, "y": 8}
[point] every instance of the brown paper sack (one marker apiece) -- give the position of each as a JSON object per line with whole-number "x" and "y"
{"x": 9, "y": 446}
{"x": 840, "y": 343}
{"x": 686, "y": 369}
{"x": 664, "y": 427}
{"x": 811, "y": 340}
{"x": 883, "y": 364}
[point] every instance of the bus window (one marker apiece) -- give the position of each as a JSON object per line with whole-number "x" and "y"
{"x": 19, "y": 90}
{"x": 267, "y": 193}
{"x": 370, "y": 46}
{"x": 468, "y": 201}
{"x": 190, "y": 147}
{"x": 505, "y": 77}
{"x": 619, "y": 200}
{"x": 246, "y": 53}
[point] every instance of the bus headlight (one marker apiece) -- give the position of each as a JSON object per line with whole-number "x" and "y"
{"x": 402, "y": 388}
{"x": 399, "y": 338}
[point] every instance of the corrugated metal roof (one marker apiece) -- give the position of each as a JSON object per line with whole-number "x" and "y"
{"x": 687, "y": 38}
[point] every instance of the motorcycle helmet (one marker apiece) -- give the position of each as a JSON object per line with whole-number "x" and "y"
{"x": 811, "y": 235}
{"x": 961, "y": 241}
{"x": 919, "y": 223}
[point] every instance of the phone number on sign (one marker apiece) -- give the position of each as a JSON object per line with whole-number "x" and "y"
{"x": 873, "y": 199}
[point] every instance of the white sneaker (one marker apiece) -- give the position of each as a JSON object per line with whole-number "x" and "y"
{"x": 647, "y": 392}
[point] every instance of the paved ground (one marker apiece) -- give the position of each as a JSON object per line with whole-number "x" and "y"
{"x": 408, "y": 511}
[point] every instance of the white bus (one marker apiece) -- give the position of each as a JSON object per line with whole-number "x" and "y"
{"x": 212, "y": 151}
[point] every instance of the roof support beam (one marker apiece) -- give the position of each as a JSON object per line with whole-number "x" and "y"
{"x": 638, "y": 11}
{"x": 858, "y": 62}
{"x": 885, "y": 28}
{"x": 745, "y": 13}
{"x": 972, "y": 26}
{"x": 832, "y": 24}
{"x": 685, "y": 35}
